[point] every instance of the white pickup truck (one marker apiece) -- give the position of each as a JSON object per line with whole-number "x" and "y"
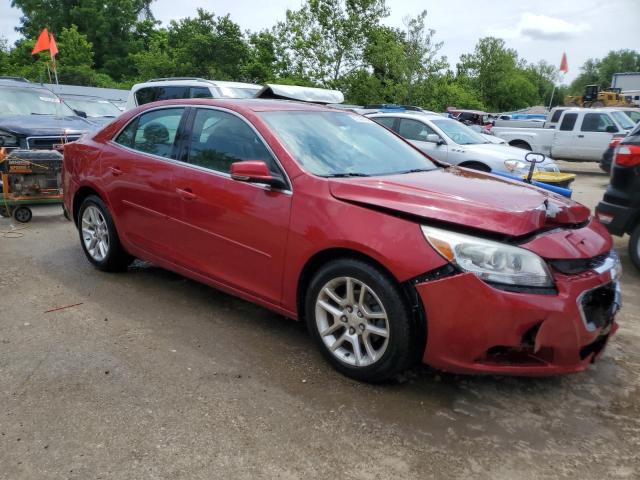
{"x": 581, "y": 134}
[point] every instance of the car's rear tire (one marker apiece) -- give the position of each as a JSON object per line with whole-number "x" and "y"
{"x": 634, "y": 246}
{"x": 359, "y": 319}
{"x": 99, "y": 238}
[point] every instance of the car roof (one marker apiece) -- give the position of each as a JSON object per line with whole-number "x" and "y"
{"x": 245, "y": 104}
{"x": 194, "y": 81}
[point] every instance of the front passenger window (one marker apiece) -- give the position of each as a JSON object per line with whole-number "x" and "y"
{"x": 153, "y": 132}
{"x": 219, "y": 139}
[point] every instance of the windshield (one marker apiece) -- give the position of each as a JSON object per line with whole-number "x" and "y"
{"x": 459, "y": 133}
{"x": 634, "y": 115}
{"x": 342, "y": 144}
{"x": 623, "y": 120}
{"x": 93, "y": 107}
{"x": 236, "y": 92}
{"x": 31, "y": 101}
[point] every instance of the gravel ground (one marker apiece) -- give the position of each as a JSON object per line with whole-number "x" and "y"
{"x": 154, "y": 376}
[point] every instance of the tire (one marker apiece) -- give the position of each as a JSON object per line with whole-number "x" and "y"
{"x": 111, "y": 257}
{"x": 597, "y": 104}
{"x": 22, "y": 214}
{"x": 384, "y": 345}
{"x": 634, "y": 246}
{"x": 481, "y": 167}
{"x": 520, "y": 144}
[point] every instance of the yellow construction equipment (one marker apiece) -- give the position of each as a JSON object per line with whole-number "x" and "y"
{"x": 594, "y": 97}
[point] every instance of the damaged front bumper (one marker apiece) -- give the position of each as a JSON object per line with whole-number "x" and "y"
{"x": 473, "y": 327}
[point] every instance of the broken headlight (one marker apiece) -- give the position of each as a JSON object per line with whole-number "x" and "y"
{"x": 493, "y": 262}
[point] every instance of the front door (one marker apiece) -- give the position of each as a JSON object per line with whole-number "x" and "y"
{"x": 594, "y": 135}
{"x": 136, "y": 175}
{"x": 231, "y": 231}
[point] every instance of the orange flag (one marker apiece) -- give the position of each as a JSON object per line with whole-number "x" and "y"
{"x": 53, "y": 48}
{"x": 43, "y": 43}
{"x": 564, "y": 66}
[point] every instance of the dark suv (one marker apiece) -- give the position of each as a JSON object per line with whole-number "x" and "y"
{"x": 34, "y": 118}
{"x": 620, "y": 208}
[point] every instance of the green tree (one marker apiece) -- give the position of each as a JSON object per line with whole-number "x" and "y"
{"x": 600, "y": 71}
{"x": 108, "y": 25}
{"x": 494, "y": 72}
{"x": 324, "y": 40}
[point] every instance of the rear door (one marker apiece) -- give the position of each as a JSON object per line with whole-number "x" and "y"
{"x": 232, "y": 232}
{"x": 595, "y": 134}
{"x": 136, "y": 175}
{"x": 564, "y": 140}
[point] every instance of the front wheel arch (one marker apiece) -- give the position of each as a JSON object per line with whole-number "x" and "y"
{"x": 475, "y": 165}
{"x": 521, "y": 144}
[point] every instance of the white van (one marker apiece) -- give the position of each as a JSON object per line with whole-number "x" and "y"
{"x": 187, "y": 87}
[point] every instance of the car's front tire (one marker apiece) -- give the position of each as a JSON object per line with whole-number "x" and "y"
{"x": 99, "y": 238}
{"x": 357, "y": 316}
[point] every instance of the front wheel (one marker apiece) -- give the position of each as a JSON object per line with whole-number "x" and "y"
{"x": 359, "y": 320}
{"x": 99, "y": 238}
{"x": 634, "y": 246}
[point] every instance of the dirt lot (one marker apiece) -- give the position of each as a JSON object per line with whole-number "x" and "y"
{"x": 154, "y": 376}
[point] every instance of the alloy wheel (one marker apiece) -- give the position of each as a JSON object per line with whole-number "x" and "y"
{"x": 95, "y": 233}
{"x": 352, "y": 321}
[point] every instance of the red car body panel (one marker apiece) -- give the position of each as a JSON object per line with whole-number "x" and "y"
{"x": 255, "y": 242}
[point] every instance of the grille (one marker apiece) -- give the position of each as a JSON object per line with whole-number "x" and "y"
{"x": 599, "y": 306}
{"x": 576, "y": 266}
{"x": 47, "y": 143}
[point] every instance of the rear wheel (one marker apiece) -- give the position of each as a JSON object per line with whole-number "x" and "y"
{"x": 359, "y": 320}
{"x": 634, "y": 246}
{"x": 99, "y": 238}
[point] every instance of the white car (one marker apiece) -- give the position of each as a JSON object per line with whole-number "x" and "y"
{"x": 450, "y": 141}
{"x": 186, "y": 87}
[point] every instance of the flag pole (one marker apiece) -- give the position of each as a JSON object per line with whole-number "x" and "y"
{"x": 55, "y": 68}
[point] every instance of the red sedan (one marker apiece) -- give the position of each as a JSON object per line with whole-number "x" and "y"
{"x": 324, "y": 216}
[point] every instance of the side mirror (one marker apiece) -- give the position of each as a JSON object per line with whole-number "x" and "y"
{"x": 80, "y": 113}
{"x": 255, "y": 171}
{"x": 433, "y": 138}
{"x": 611, "y": 129}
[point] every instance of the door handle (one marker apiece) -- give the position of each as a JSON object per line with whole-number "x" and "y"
{"x": 115, "y": 171}
{"x": 186, "y": 193}
{"x": 580, "y": 136}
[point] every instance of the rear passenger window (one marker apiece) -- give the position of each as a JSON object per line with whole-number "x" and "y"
{"x": 597, "y": 122}
{"x": 200, "y": 92}
{"x": 556, "y": 115}
{"x": 568, "y": 121}
{"x": 153, "y": 132}
{"x": 155, "y": 94}
{"x": 219, "y": 139}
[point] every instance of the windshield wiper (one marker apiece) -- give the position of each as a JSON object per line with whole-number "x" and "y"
{"x": 347, "y": 174}
{"x": 416, "y": 170}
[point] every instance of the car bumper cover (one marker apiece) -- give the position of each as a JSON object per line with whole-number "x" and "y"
{"x": 475, "y": 328}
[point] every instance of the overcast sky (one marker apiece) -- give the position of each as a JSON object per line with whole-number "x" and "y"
{"x": 537, "y": 29}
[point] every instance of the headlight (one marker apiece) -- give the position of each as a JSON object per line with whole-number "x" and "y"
{"x": 517, "y": 166}
{"x": 8, "y": 140}
{"x": 490, "y": 261}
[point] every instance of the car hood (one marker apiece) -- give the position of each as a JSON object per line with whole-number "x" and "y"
{"x": 41, "y": 125}
{"x": 464, "y": 197}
